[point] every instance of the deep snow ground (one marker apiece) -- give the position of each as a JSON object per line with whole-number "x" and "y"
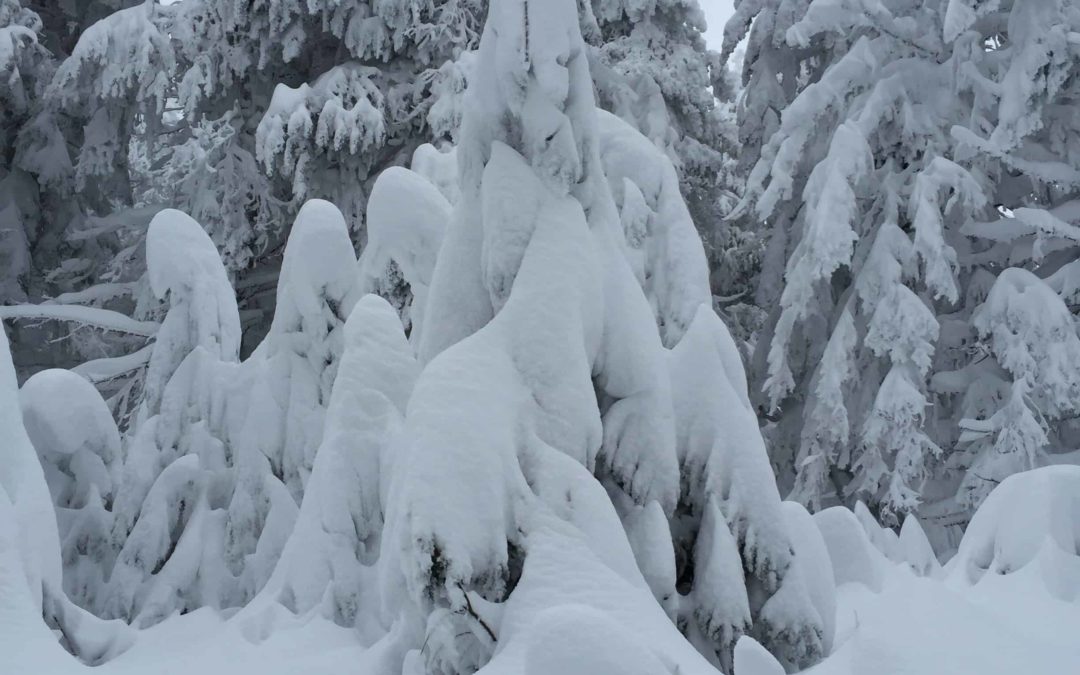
{"x": 1011, "y": 624}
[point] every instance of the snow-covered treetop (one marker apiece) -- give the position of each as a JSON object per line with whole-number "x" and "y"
{"x": 318, "y": 272}
{"x": 407, "y": 216}
{"x": 184, "y": 268}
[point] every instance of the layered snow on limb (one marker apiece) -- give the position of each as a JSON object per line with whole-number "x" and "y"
{"x": 338, "y": 113}
{"x": 723, "y": 460}
{"x": 673, "y": 271}
{"x": 406, "y": 218}
{"x": 337, "y": 534}
{"x": 79, "y": 447}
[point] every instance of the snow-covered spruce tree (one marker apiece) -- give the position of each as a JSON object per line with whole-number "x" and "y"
{"x": 169, "y": 517}
{"x": 288, "y": 382}
{"x": 545, "y": 380}
{"x": 735, "y": 556}
{"x": 652, "y": 68}
{"x": 877, "y": 350}
{"x": 327, "y": 561}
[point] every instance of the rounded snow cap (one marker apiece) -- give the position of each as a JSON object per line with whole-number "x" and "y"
{"x": 63, "y": 413}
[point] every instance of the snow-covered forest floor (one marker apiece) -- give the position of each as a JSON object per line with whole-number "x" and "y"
{"x": 535, "y": 337}
{"x": 907, "y": 617}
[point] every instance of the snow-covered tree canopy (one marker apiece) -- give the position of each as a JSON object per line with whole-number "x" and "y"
{"x": 920, "y": 184}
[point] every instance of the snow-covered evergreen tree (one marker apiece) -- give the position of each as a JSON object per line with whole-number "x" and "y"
{"x": 896, "y": 206}
{"x": 288, "y": 382}
{"x": 168, "y": 516}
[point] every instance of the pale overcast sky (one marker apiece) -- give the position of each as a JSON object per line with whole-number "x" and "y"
{"x": 716, "y": 14}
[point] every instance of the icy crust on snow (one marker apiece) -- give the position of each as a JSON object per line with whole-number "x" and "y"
{"x": 1032, "y": 517}
{"x": 660, "y": 235}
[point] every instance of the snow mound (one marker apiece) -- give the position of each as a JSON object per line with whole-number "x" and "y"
{"x": 73, "y": 432}
{"x": 1031, "y": 516}
{"x": 854, "y": 558}
{"x": 753, "y": 659}
{"x": 28, "y": 518}
{"x": 814, "y": 566}
{"x": 570, "y": 614}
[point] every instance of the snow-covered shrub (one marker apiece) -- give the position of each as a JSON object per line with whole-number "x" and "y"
{"x": 290, "y": 377}
{"x": 813, "y": 564}
{"x": 664, "y": 248}
{"x": 327, "y": 560}
{"x": 1031, "y": 520}
{"x": 79, "y": 447}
